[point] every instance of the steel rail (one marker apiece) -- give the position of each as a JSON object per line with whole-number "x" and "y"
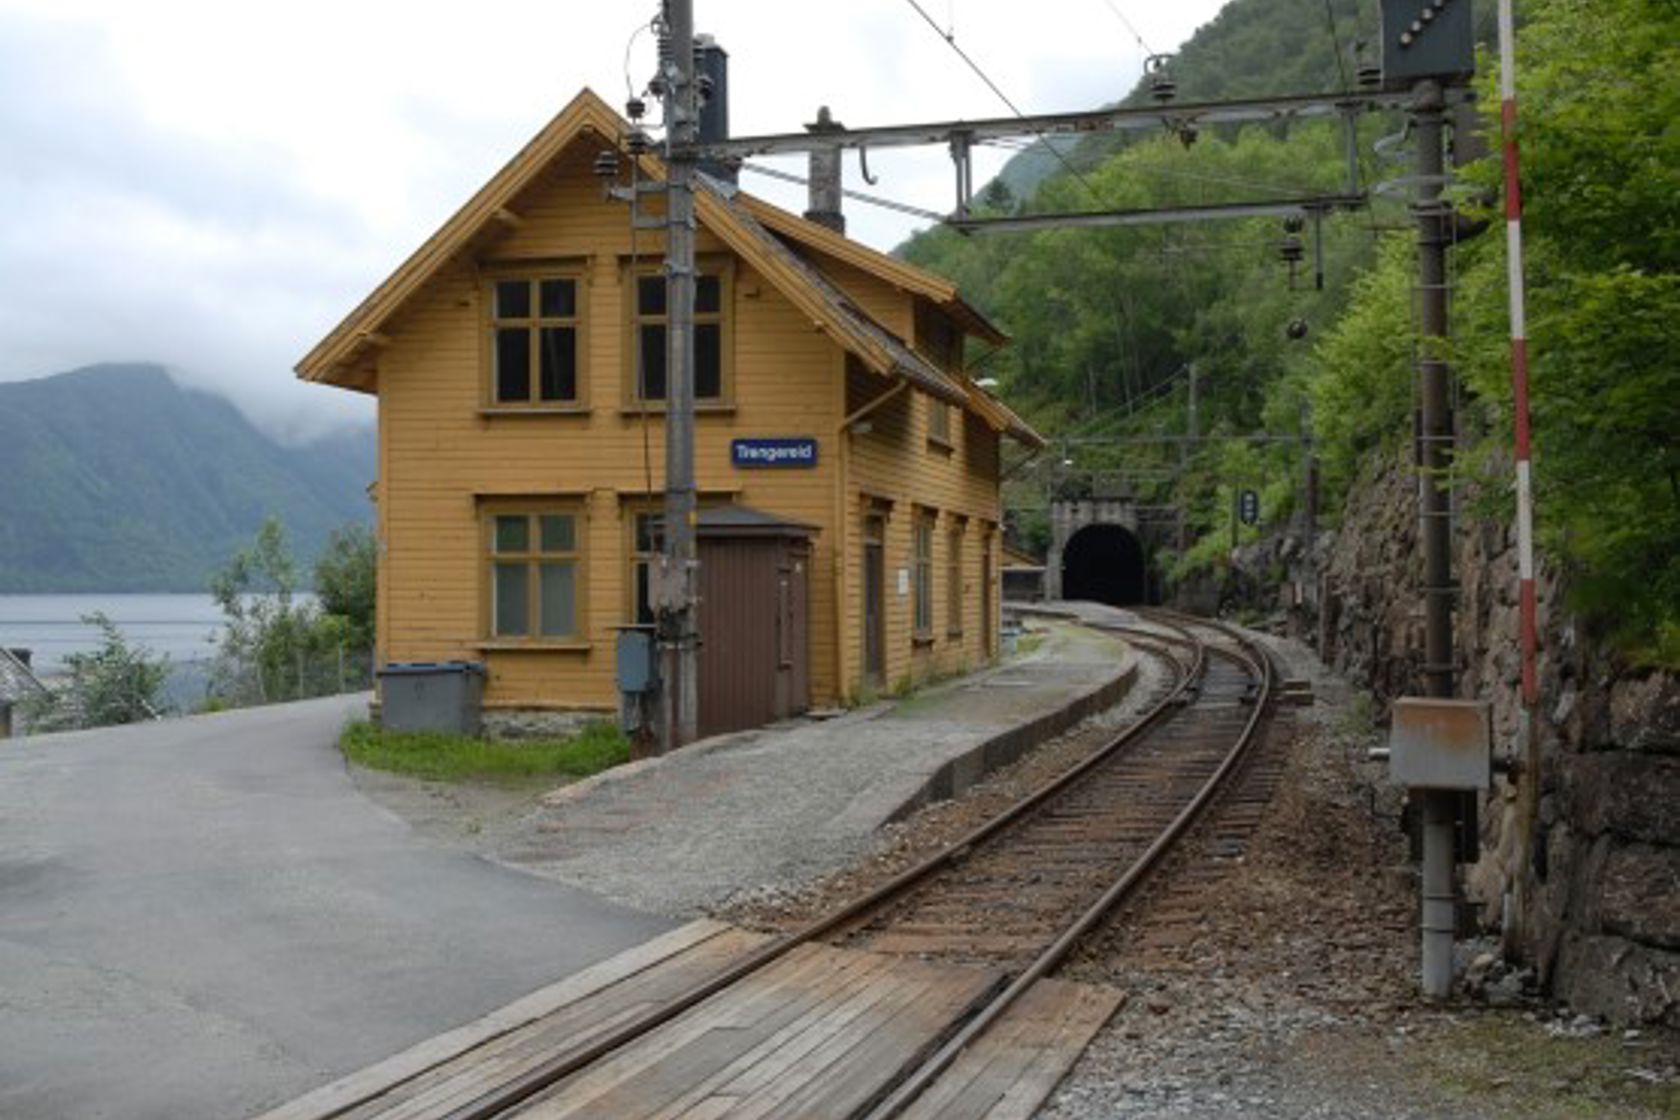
{"x": 906, "y": 1092}
{"x": 516, "y": 1091}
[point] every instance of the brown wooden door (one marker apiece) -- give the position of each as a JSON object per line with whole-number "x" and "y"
{"x": 754, "y": 660}
{"x": 988, "y": 625}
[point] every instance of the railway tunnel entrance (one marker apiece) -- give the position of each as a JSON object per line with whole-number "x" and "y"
{"x": 1105, "y": 563}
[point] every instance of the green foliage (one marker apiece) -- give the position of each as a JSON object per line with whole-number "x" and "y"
{"x": 346, "y": 580}
{"x": 1362, "y": 393}
{"x": 116, "y": 683}
{"x": 440, "y": 757}
{"x": 273, "y": 647}
{"x": 1600, "y": 90}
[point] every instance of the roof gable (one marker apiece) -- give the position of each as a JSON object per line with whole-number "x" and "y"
{"x": 739, "y": 220}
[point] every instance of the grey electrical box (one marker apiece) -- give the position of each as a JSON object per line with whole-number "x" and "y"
{"x": 431, "y": 696}
{"x": 637, "y": 670}
{"x": 1427, "y": 39}
{"x": 1440, "y": 744}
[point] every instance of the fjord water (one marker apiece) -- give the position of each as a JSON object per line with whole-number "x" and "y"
{"x": 183, "y": 627}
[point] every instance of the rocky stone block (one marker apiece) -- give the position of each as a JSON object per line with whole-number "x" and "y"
{"x": 1645, "y": 714}
{"x": 1640, "y": 895}
{"x": 1630, "y": 796}
{"x": 1627, "y": 983}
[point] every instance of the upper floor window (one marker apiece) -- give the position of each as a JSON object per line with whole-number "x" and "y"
{"x": 939, "y": 421}
{"x": 711, "y": 297}
{"x": 534, "y": 345}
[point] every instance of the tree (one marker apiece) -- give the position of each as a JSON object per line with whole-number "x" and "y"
{"x": 346, "y": 581}
{"x": 116, "y": 683}
{"x": 272, "y": 647}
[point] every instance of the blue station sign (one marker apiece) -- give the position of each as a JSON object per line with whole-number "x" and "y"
{"x": 772, "y": 452}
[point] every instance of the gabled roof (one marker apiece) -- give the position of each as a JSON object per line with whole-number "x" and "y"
{"x": 902, "y": 274}
{"x": 17, "y": 682}
{"x": 739, "y": 220}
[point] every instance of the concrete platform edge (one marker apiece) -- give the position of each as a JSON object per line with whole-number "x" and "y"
{"x": 957, "y": 775}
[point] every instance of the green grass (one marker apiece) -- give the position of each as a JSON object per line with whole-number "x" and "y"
{"x": 441, "y": 757}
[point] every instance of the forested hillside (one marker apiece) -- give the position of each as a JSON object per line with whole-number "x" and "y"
{"x": 117, "y": 479}
{"x": 1108, "y": 322}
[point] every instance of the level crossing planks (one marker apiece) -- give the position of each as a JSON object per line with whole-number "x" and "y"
{"x": 820, "y": 1032}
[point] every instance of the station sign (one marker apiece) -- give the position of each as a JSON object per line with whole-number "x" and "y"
{"x": 774, "y": 452}
{"x": 1248, "y": 507}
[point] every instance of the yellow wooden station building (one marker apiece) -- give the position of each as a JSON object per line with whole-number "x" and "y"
{"x": 521, "y": 443}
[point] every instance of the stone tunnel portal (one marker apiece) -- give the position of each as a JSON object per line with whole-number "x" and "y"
{"x": 1106, "y": 564}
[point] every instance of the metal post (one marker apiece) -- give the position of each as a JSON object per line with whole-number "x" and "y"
{"x": 680, "y": 637}
{"x": 1435, "y": 512}
{"x": 1185, "y": 449}
{"x": 1435, "y": 509}
{"x": 1440, "y": 897}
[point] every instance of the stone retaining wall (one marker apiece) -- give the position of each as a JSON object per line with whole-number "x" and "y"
{"x": 1602, "y": 909}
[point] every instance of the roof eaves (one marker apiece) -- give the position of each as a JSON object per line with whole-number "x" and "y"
{"x": 583, "y": 113}
{"x": 894, "y": 271}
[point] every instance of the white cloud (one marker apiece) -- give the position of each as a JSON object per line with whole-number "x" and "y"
{"x": 213, "y": 185}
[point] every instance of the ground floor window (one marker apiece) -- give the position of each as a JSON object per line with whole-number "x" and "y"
{"x": 954, "y": 580}
{"x": 646, "y": 543}
{"x": 922, "y": 553}
{"x": 534, "y": 573}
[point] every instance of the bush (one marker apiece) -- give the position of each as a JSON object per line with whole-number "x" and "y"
{"x": 115, "y": 684}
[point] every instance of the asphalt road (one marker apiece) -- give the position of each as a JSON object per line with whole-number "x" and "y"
{"x": 203, "y": 918}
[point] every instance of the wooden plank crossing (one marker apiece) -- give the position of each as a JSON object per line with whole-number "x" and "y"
{"x": 821, "y": 1032}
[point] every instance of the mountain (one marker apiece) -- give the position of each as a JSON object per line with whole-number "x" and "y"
{"x": 115, "y": 478}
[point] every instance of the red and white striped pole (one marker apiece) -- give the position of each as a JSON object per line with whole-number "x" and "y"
{"x": 1528, "y": 777}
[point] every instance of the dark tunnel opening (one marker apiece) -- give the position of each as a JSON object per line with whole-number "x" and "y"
{"x": 1105, "y": 564}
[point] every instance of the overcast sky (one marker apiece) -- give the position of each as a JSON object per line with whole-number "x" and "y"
{"x": 214, "y": 185}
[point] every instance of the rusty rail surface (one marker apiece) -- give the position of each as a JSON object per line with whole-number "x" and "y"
{"x": 1184, "y": 693}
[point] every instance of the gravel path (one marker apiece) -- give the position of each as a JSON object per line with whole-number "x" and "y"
{"x": 757, "y": 812}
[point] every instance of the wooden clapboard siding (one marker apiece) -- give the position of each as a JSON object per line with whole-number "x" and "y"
{"x": 441, "y": 453}
{"x": 895, "y": 461}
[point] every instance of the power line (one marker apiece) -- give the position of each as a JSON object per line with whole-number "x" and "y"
{"x": 951, "y": 41}
{"x": 1127, "y": 24}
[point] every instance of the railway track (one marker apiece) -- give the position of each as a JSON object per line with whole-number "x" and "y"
{"x": 1009, "y": 900}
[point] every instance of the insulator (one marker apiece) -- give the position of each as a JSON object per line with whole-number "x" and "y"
{"x": 635, "y": 108}
{"x": 1294, "y": 223}
{"x": 638, "y": 142}
{"x": 1291, "y": 250}
{"x": 703, "y": 84}
{"x": 1187, "y": 134}
{"x": 1370, "y": 75}
{"x": 656, "y": 85}
{"x": 1161, "y": 85}
{"x": 606, "y": 164}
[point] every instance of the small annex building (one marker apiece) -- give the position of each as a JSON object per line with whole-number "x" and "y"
{"x": 518, "y": 361}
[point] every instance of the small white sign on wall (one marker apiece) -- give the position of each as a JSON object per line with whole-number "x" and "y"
{"x": 904, "y": 581}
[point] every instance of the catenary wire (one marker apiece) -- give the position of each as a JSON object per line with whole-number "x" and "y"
{"x": 951, "y": 41}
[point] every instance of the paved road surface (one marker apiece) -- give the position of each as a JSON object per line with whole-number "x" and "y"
{"x": 202, "y": 918}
